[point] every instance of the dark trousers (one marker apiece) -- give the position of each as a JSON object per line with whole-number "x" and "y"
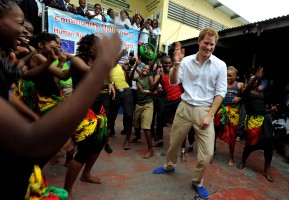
{"x": 168, "y": 110}
{"x": 124, "y": 99}
{"x": 158, "y": 101}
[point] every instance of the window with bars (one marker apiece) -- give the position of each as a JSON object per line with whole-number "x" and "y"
{"x": 190, "y": 18}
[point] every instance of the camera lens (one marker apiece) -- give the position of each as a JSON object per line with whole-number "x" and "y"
{"x": 132, "y": 61}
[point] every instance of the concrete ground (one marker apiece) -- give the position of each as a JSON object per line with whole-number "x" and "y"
{"x": 127, "y": 176}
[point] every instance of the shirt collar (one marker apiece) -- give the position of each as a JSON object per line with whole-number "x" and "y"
{"x": 196, "y": 55}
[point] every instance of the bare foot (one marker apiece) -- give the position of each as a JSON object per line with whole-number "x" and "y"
{"x": 90, "y": 179}
{"x": 126, "y": 146}
{"x": 230, "y": 163}
{"x": 268, "y": 176}
{"x": 69, "y": 196}
{"x": 148, "y": 154}
{"x": 183, "y": 157}
{"x": 241, "y": 165}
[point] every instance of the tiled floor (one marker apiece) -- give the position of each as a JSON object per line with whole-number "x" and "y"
{"x": 127, "y": 176}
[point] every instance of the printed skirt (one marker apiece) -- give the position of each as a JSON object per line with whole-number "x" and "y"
{"x": 226, "y": 122}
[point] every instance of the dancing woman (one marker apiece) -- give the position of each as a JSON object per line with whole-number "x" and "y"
{"x": 227, "y": 118}
{"x": 258, "y": 126}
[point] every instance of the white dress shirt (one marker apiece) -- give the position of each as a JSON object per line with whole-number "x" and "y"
{"x": 97, "y": 17}
{"x": 202, "y": 83}
{"x": 119, "y": 22}
{"x": 144, "y": 36}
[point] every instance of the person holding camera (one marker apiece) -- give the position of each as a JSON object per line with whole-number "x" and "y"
{"x": 133, "y": 87}
{"x": 97, "y": 14}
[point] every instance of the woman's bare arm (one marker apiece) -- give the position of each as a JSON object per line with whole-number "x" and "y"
{"x": 46, "y": 136}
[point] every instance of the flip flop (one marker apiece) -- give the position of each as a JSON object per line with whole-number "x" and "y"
{"x": 91, "y": 180}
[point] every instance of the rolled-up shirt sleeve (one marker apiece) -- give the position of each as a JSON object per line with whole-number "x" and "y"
{"x": 221, "y": 86}
{"x": 180, "y": 74}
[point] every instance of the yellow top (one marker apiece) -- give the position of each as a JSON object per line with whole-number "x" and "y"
{"x": 118, "y": 77}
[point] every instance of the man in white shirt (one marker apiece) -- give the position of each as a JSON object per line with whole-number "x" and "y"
{"x": 204, "y": 79}
{"x": 123, "y": 20}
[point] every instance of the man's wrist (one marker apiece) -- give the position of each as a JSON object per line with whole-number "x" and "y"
{"x": 211, "y": 114}
{"x": 176, "y": 65}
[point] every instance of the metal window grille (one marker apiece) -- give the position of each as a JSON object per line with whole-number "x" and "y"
{"x": 190, "y": 18}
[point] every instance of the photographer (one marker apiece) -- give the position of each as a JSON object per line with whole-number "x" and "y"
{"x": 128, "y": 66}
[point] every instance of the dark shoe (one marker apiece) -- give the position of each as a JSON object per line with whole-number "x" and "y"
{"x": 107, "y": 148}
{"x": 201, "y": 191}
{"x": 136, "y": 140}
{"x": 123, "y": 132}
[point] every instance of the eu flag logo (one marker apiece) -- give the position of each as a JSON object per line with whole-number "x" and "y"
{"x": 68, "y": 46}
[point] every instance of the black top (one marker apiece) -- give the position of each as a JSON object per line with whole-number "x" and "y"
{"x": 4, "y": 89}
{"x": 8, "y": 76}
{"x": 15, "y": 169}
{"x": 255, "y": 104}
{"x": 76, "y": 77}
{"x": 80, "y": 11}
{"x": 45, "y": 84}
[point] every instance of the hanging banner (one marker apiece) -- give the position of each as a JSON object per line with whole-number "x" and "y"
{"x": 71, "y": 27}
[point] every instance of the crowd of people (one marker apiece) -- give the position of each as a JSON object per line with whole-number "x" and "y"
{"x": 52, "y": 102}
{"x": 148, "y": 28}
